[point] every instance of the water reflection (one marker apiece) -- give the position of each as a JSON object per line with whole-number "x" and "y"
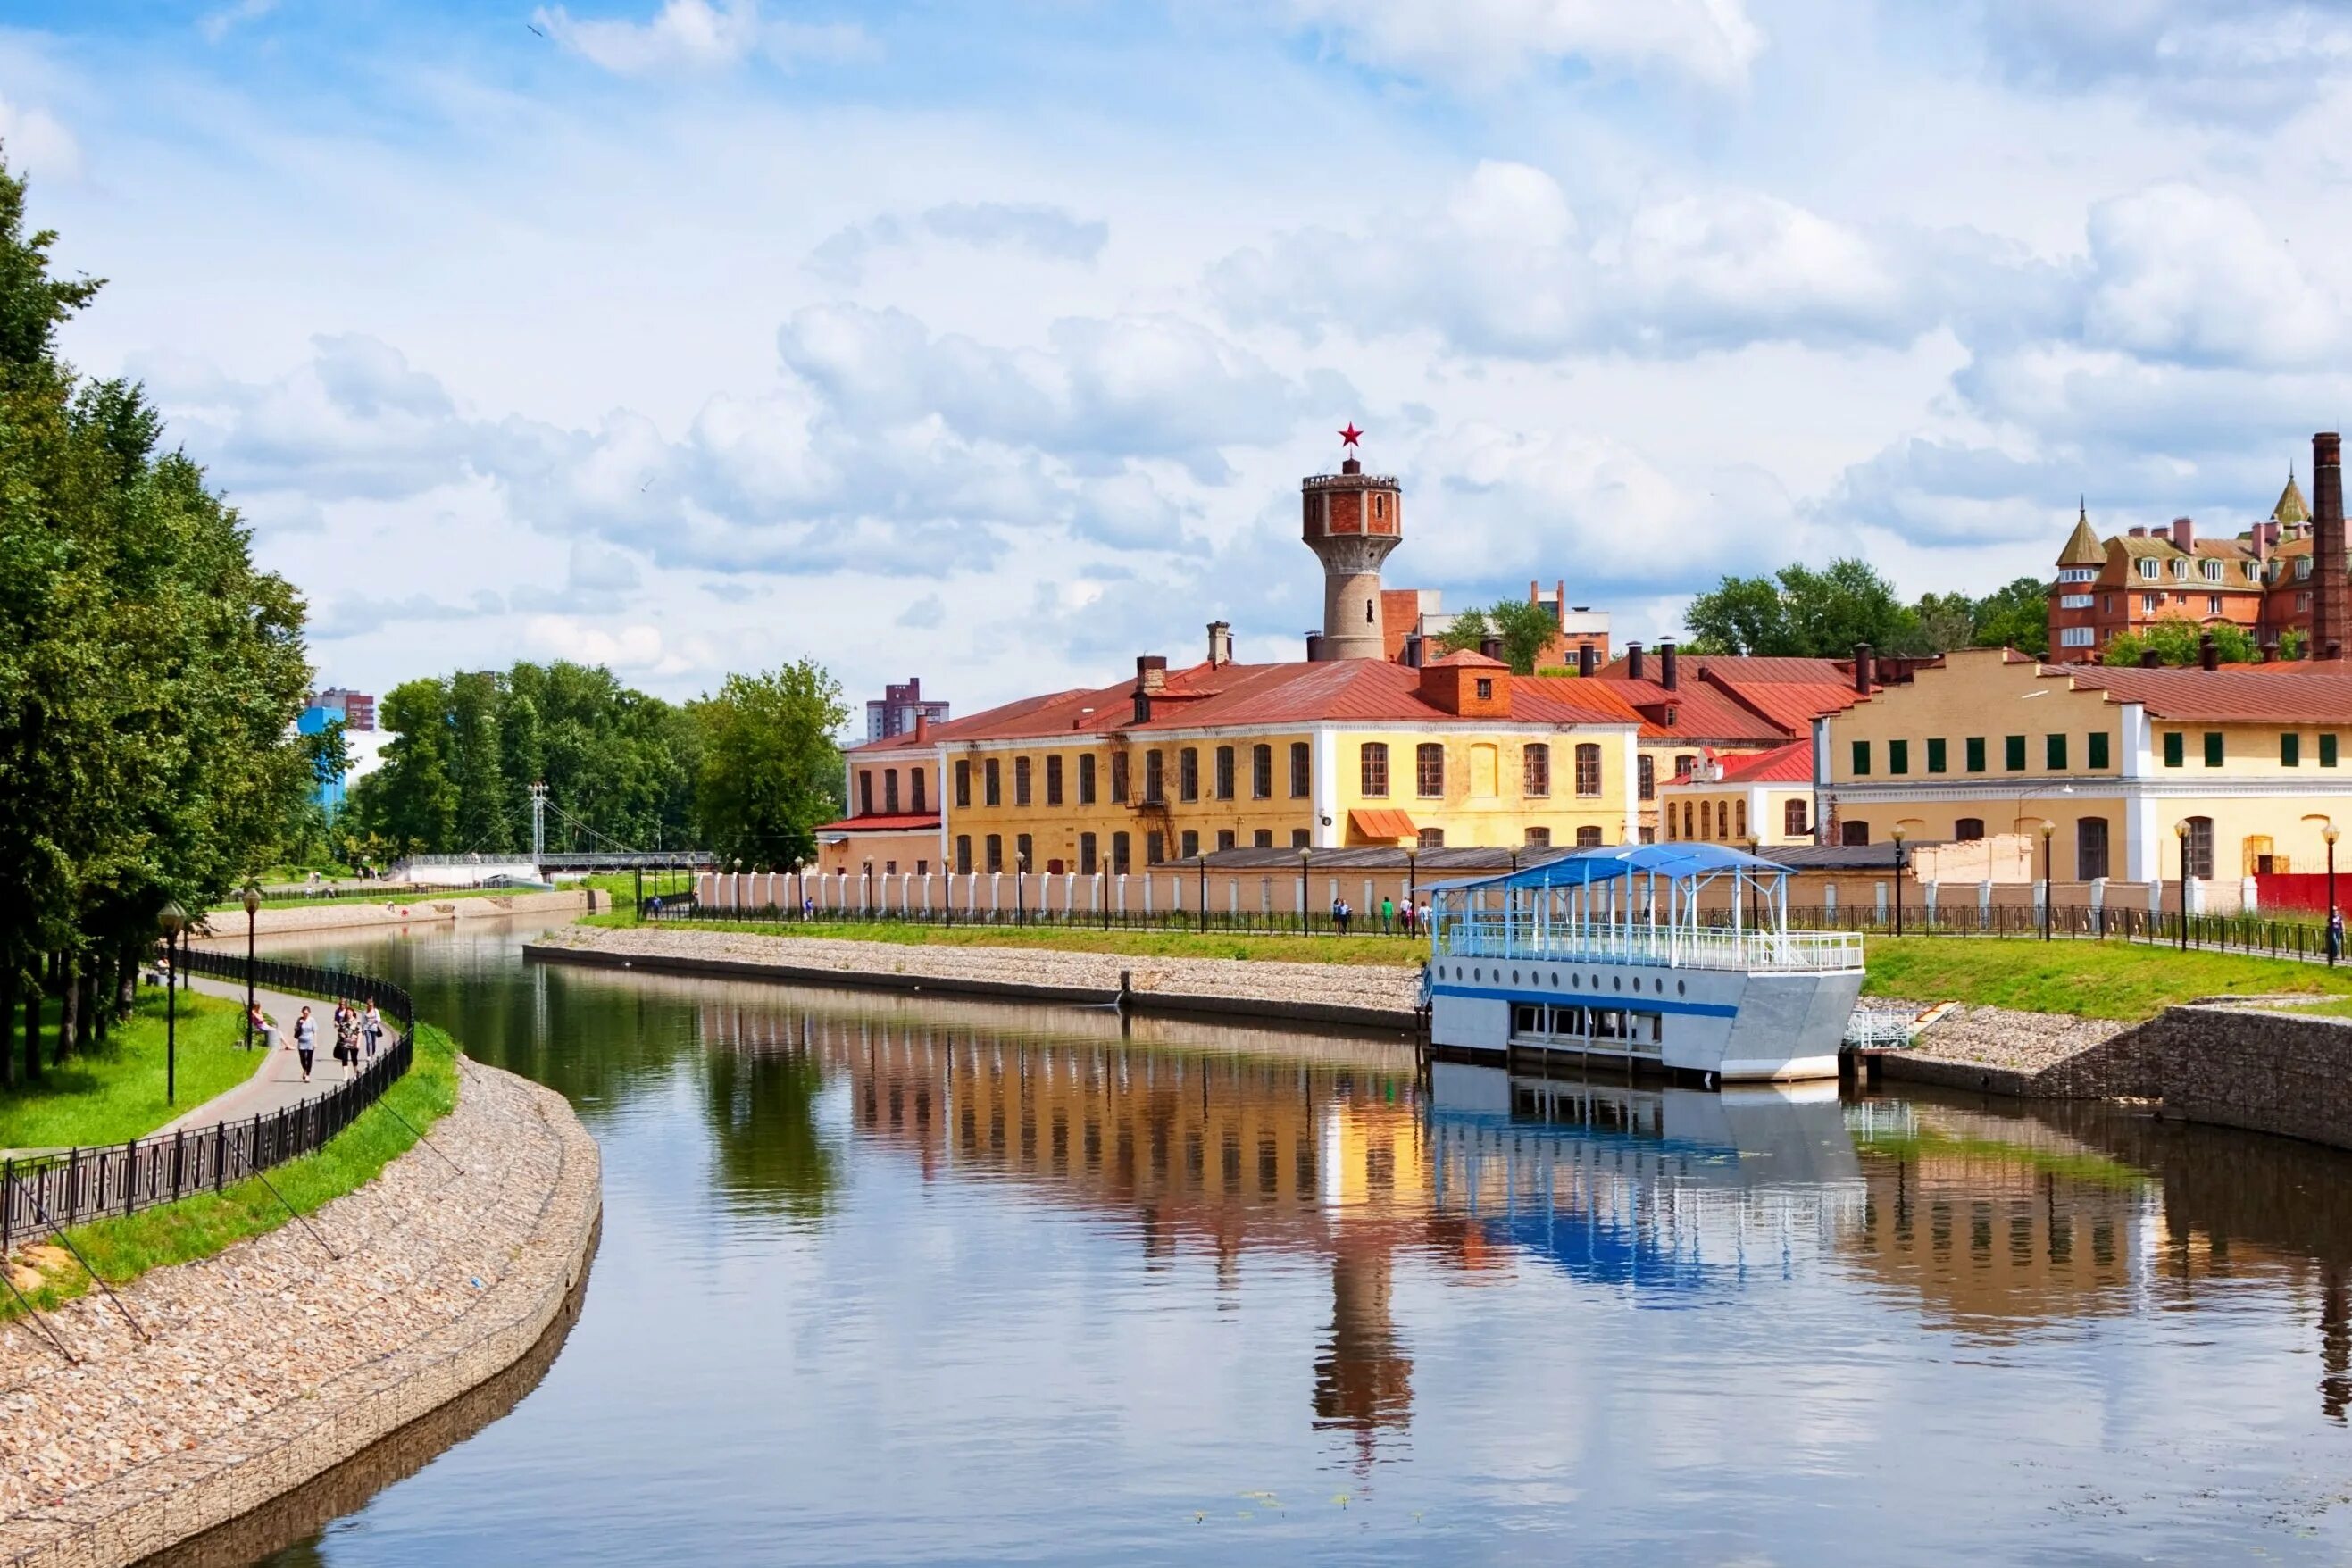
{"x": 905, "y": 1278}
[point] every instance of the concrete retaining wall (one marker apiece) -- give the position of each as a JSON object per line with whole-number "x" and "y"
{"x": 228, "y": 925}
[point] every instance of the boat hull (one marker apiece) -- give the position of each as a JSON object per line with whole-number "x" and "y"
{"x": 1721, "y": 1026}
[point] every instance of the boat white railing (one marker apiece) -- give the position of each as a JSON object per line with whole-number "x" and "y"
{"x": 1710, "y": 947}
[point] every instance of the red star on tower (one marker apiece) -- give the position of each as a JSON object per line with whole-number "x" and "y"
{"x": 1347, "y": 437}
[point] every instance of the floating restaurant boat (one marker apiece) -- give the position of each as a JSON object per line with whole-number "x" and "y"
{"x": 1674, "y": 957}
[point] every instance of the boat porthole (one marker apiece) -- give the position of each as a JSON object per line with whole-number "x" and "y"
{"x": 1617, "y": 982}
{"x": 1477, "y": 974}
{"x": 1576, "y": 982}
{"x": 1682, "y": 988}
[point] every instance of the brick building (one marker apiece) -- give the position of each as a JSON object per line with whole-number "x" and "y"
{"x": 2268, "y": 579}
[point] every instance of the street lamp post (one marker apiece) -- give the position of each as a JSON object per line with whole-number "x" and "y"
{"x": 173, "y": 919}
{"x": 252, "y": 909}
{"x": 1898, "y": 836}
{"x": 1413, "y": 880}
{"x": 1303, "y": 855}
{"x": 1020, "y": 888}
{"x": 2180, "y": 833}
{"x": 2048, "y": 827}
{"x": 2327, "y": 833}
{"x": 1200, "y": 915}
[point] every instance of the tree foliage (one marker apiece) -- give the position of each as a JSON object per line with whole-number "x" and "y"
{"x": 1805, "y": 613}
{"x": 1525, "y": 626}
{"x": 2176, "y": 639}
{"x": 770, "y": 772}
{"x": 148, "y": 672}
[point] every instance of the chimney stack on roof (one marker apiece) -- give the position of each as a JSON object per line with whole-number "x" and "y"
{"x": 922, "y": 727}
{"x": 1490, "y": 645}
{"x": 2136, "y": 532}
{"x": 1411, "y": 655}
{"x": 1669, "y": 668}
{"x": 2209, "y": 652}
{"x": 1863, "y": 668}
{"x": 1314, "y": 647}
{"x": 2328, "y": 604}
{"x": 1221, "y": 644}
{"x": 1151, "y": 673}
{"x": 2161, "y": 531}
{"x": 2149, "y": 658}
{"x": 2184, "y": 533}
{"x": 1634, "y": 661}
{"x": 1588, "y": 660}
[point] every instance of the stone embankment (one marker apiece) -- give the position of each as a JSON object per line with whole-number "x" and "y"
{"x": 254, "y": 1372}
{"x": 228, "y": 925}
{"x": 1361, "y": 995}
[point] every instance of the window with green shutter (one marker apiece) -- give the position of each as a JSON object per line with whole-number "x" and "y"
{"x": 2053, "y": 753}
{"x": 1975, "y": 754}
{"x": 2290, "y": 748}
{"x": 2098, "y": 758}
{"x": 1898, "y": 756}
{"x": 2212, "y": 748}
{"x": 2173, "y": 748}
{"x": 2327, "y": 750}
{"x": 1861, "y": 759}
{"x": 2013, "y": 753}
{"x": 1935, "y": 756}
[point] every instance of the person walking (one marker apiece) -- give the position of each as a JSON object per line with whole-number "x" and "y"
{"x": 371, "y": 1029}
{"x": 306, "y": 1040}
{"x": 1388, "y": 913}
{"x": 2335, "y": 933}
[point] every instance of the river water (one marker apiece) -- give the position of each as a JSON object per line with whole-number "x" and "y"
{"x": 891, "y": 1280}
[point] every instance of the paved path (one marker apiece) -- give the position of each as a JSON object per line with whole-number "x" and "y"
{"x": 276, "y": 1081}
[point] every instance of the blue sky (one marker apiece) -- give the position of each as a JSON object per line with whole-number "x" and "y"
{"x": 988, "y": 342}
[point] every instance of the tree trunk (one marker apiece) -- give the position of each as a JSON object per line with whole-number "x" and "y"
{"x": 69, "y": 1010}
{"x": 126, "y": 981}
{"x": 94, "y": 1011}
{"x": 32, "y": 1025}
{"x": 7, "y": 1024}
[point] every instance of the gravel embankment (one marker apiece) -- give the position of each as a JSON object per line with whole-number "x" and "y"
{"x": 268, "y": 1364}
{"x": 1383, "y": 990}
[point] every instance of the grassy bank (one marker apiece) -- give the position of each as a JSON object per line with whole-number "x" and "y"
{"x": 2086, "y": 979}
{"x": 110, "y": 1092}
{"x": 1075, "y": 938}
{"x": 199, "y": 1227}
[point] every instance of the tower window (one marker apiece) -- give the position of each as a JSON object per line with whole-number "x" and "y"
{"x": 1367, "y": 612}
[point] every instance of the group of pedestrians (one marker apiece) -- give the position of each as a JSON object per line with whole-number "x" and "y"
{"x": 359, "y": 1035}
{"x": 1394, "y": 917}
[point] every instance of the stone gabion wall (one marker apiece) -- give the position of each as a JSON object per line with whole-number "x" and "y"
{"x": 2247, "y": 1066}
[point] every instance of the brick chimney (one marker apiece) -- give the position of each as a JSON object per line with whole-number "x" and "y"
{"x": 1588, "y": 660}
{"x": 1314, "y": 647}
{"x": 1633, "y": 665}
{"x": 2209, "y": 652}
{"x": 2149, "y": 658}
{"x": 1150, "y": 680}
{"x": 2328, "y": 603}
{"x": 2184, "y": 534}
{"x": 922, "y": 728}
{"x": 1669, "y": 668}
{"x": 1221, "y": 644}
{"x": 2136, "y": 532}
{"x": 1491, "y": 645}
{"x": 1410, "y": 658}
{"x": 1863, "y": 667}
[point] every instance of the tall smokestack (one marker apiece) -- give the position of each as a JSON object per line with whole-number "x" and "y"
{"x": 2209, "y": 652}
{"x": 1863, "y": 667}
{"x": 1669, "y": 668}
{"x": 1633, "y": 668}
{"x": 2328, "y": 607}
{"x": 1588, "y": 660}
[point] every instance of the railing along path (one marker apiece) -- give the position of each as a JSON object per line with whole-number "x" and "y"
{"x": 50, "y": 1193}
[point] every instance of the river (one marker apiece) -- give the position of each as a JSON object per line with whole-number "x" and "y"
{"x": 891, "y": 1280}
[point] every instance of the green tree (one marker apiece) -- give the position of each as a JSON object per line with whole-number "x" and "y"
{"x": 2177, "y": 639}
{"x": 1525, "y": 627}
{"x": 2014, "y": 616}
{"x": 1802, "y": 612}
{"x": 770, "y": 770}
{"x": 1742, "y": 614}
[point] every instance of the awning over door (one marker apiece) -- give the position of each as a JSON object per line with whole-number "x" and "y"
{"x": 1383, "y": 826}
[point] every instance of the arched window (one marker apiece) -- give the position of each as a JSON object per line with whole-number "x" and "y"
{"x": 1686, "y": 821}
{"x": 1968, "y": 829}
{"x": 2197, "y": 849}
{"x": 1429, "y": 770}
{"x": 866, "y": 791}
{"x": 890, "y": 791}
{"x": 1740, "y": 831}
{"x": 1588, "y": 770}
{"x": 1646, "y": 771}
{"x": 1853, "y": 834}
{"x": 1367, "y": 612}
{"x": 1373, "y": 759}
{"x": 1793, "y": 820}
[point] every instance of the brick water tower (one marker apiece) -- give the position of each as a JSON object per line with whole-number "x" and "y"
{"x": 1351, "y": 519}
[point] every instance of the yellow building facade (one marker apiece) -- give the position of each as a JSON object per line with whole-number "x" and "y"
{"x": 2143, "y": 775}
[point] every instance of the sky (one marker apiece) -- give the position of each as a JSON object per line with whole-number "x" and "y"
{"x": 988, "y": 342}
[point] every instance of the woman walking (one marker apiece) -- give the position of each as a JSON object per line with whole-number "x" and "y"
{"x": 372, "y": 1027}
{"x": 306, "y": 1040}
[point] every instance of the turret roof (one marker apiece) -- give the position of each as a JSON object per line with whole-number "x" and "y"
{"x": 2082, "y": 546}
{"x": 2290, "y": 510}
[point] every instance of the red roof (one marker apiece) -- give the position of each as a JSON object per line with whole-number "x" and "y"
{"x": 1357, "y": 689}
{"x": 1794, "y": 704}
{"x": 902, "y": 822}
{"x": 2242, "y": 694}
{"x": 1791, "y": 763}
{"x": 1703, "y": 715}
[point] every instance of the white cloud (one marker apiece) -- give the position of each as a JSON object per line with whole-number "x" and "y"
{"x": 2247, "y": 59}
{"x": 638, "y": 649}
{"x": 2184, "y": 274}
{"x": 1479, "y": 43}
{"x": 36, "y": 141}
{"x": 695, "y": 36}
{"x": 218, "y": 24}
{"x": 1052, "y": 233}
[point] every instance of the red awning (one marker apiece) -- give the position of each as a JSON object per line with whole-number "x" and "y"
{"x": 1385, "y": 826}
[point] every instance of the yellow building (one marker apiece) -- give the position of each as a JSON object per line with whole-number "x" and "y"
{"x": 1222, "y": 755}
{"x": 1766, "y": 799}
{"x": 2142, "y": 775}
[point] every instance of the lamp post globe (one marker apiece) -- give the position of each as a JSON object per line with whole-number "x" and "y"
{"x": 1304, "y": 853}
{"x": 2048, "y": 827}
{"x": 1899, "y": 834}
{"x": 172, "y": 920}
{"x": 1019, "y": 886}
{"x": 2180, "y": 833}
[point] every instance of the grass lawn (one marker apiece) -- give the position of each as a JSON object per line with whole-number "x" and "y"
{"x": 2088, "y": 979}
{"x": 201, "y": 1226}
{"x": 112, "y": 1092}
{"x": 1170, "y": 943}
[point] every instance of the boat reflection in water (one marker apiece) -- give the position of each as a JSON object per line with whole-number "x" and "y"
{"x": 1672, "y": 1195}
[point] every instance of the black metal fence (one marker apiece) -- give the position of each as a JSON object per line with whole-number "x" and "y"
{"x": 2261, "y": 935}
{"x": 49, "y": 1193}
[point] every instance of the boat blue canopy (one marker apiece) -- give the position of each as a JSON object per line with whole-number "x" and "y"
{"x": 1679, "y": 861}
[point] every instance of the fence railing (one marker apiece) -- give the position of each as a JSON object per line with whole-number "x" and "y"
{"x": 1709, "y": 947}
{"x": 49, "y": 1193}
{"x": 2257, "y": 934}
